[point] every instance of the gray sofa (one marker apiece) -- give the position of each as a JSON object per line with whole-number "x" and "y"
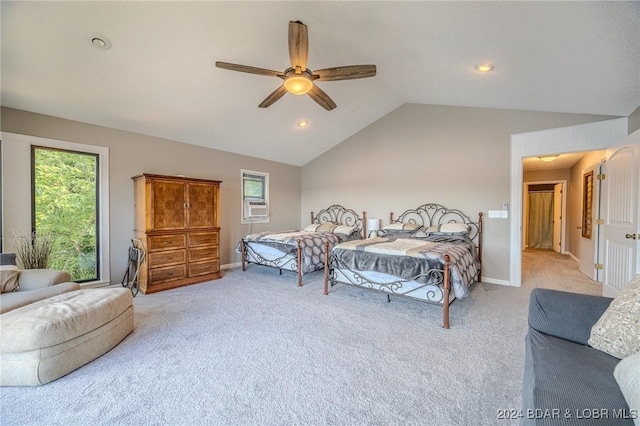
{"x": 35, "y": 285}
{"x": 567, "y": 382}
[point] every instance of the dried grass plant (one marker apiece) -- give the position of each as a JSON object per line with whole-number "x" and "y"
{"x": 32, "y": 250}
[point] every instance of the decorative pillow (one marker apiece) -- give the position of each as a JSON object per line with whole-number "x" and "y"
{"x": 344, "y": 229}
{"x": 8, "y": 273}
{"x": 617, "y": 332}
{"x": 627, "y": 374}
{"x": 311, "y": 228}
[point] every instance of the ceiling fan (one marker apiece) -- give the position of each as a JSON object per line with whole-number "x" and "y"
{"x": 298, "y": 79}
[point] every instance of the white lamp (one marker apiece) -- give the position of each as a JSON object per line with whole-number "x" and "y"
{"x": 373, "y": 226}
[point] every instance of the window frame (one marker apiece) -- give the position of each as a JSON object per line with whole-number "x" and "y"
{"x": 243, "y": 197}
{"x": 21, "y": 147}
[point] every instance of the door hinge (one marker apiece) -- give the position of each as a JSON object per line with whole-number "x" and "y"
{"x": 599, "y": 266}
{"x": 601, "y": 176}
{"x": 599, "y": 221}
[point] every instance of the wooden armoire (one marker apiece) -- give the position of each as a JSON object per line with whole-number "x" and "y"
{"x": 177, "y": 220}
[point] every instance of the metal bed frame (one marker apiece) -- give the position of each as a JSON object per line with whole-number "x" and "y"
{"x": 336, "y": 214}
{"x": 426, "y": 215}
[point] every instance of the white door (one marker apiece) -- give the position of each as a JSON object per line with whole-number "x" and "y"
{"x": 621, "y": 190}
{"x": 588, "y": 248}
{"x": 557, "y": 217}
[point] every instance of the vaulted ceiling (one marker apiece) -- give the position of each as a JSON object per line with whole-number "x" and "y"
{"x": 159, "y": 77}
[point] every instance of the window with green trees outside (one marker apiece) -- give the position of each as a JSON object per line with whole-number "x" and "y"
{"x": 65, "y": 207}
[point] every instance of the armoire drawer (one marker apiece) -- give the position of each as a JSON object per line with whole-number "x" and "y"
{"x": 166, "y": 242}
{"x": 204, "y": 238}
{"x": 167, "y": 258}
{"x": 203, "y": 268}
{"x": 169, "y": 273}
{"x": 204, "y": 253}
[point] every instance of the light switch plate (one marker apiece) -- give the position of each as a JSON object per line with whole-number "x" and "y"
{"x": 495, "y": 214}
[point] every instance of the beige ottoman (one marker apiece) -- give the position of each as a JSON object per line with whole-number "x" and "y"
{"x": 47, "y": 339}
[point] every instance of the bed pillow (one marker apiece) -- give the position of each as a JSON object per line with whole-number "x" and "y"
{"x": 9, "y": 273}
{"x": 399, "y": 228}
{"x": 617, "y": 332}
{"x": 344, "y": 230}
{"x": 627, "y": 374}
{"x": 448, "y": 228}
{"x": 326, "y": 227}
{"x": 311, "y": 228}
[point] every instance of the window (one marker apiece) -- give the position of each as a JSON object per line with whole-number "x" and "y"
{"x": 65, "y": 208}
{"x": 17, "y": 169}
{"x": 255, "y": 196}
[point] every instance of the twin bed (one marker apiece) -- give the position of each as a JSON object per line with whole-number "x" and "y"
{"x": 303, "y": 251}
{"x": 430, "y": 254}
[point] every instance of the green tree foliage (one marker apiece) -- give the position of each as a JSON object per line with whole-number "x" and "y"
{"x": 65, "y": 207}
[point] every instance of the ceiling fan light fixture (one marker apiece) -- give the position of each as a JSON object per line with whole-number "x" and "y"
{"x": 548, "y": 158}
{"x": 298, "y": 84}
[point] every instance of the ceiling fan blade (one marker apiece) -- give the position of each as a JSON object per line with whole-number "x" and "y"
{"x": 298, "y": 45}
{"x": 318, "y": 95}
{"x": 248, "y": 69}
{"x": 345, "y": 73}
{"x": 274, "y": 96}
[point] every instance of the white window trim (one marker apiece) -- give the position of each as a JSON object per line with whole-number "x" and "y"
{"x": 20, "y": 197}
{"x": 243, "y": 220}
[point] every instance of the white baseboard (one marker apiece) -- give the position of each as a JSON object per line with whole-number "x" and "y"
{"x": 573, "y": 257}
{"x": 231, "y": 265}
{"x": 495, "y": 281}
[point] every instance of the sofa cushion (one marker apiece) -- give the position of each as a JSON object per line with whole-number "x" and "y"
{"x": 627, "y": 374}
{"x": 18, "y": 299}
{"x": 617, "y": 332}
{"x": 569, "y": 316}
{"x": 8, "y": 273}
{"x": 69, "y": 315}
{"x": 33, "y": 279}
{"x": 573, "y": 378}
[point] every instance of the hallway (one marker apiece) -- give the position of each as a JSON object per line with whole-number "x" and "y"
{"x": 548, "y": 269}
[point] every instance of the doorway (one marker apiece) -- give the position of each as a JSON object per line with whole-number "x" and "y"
{"x": 544, "y": 210}
{"x": 582, "y": 137}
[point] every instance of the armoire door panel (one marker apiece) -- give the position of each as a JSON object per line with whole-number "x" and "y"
{"x": 169, "y": 205}
{"x": 201, "y": 210}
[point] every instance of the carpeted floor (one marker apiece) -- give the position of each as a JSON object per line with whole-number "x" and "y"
{"x": 255, "y": 349}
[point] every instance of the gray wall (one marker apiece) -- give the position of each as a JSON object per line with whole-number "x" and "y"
{"x": 634, "y": 120}
{"x": 131, "y": 154}
{"x": 455, "y": 156}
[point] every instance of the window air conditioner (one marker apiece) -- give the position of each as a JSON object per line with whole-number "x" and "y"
{"x": 256, "y": 209}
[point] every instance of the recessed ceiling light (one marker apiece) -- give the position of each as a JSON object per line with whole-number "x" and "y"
{"x": 303, "y": 123}
{"x": 100, "y": 42}
{"x": 484, "y": 67}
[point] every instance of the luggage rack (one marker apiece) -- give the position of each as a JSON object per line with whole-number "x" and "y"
{"x": 135, "y": 259}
